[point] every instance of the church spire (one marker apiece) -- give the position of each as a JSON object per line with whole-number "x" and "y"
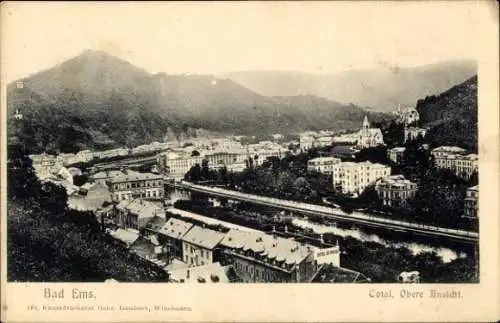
{"x": 366, "y": 124}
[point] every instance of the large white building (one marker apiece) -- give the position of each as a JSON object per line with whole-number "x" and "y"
{"x": 353, "y": 178}
{"x": 369, "y": 137}
{"x": 322, "y": 165}
{"x": 456, "y": 160}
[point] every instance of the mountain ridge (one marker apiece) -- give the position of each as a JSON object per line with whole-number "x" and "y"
{"x": 98, "y": 101}
{"x": 382, "y": 89}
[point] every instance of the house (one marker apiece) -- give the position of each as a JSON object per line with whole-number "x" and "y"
{"x": 200, "y": 246}
{"x": 137, "y": 213}
{"x": 91, "y": 197}
{"x": 173, "y": 232}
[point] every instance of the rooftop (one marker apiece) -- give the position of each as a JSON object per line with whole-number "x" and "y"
{"x": 128, "y": 236}
{"x": 175, "y": 228}
{"x": 202, "y": 237}
{"x": 135, "y": 177}
{"x": 271, "y": 247}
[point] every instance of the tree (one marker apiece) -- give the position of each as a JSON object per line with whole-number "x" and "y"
{"x": 53, "y": 198}
{"x": 195, "y": 153}
{"x": 205, "y": 173}
{"x": 302, "y": 187}
{"x": 194, "y": 174}
{"x": 79, "y": 180}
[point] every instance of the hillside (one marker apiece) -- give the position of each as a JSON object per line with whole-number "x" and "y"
{"x": 452, "y": 116}
{"x": 382, "y": 89}
{"x": 99, "y": 101}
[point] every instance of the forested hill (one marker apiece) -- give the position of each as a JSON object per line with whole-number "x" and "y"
{"x": 452, "y": 116}
{"x": 99, "y": 101}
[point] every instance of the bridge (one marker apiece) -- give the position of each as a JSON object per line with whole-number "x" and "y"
{"x": 360, "y": 218}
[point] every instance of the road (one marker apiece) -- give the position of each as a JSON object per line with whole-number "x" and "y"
{"x": 336, "y": 214}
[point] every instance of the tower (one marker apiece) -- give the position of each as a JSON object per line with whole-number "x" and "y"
{"x": 366, "y": 124}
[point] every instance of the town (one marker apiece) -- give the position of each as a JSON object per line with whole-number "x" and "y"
{"x": 218, "y": 210}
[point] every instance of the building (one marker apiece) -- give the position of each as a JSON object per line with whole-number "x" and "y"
{"x": 412, "y": 133}
{"x": 353, "y": 178}
{"x": 177, "y": 165}
{"x": 322, "y": 165}
{"x": 173, "y": 232}
{"x": 84, "y": 156}
{"x": 306, "y": 140}
{"x": 129, "y": 186}
{"x": 137, "y": 213}
{"x": 466, "y": 165}
{"x": 408, "y": 115}
{"x": 201, "y": 246}
{"x": 471, "y": 202}
{"x": 369, "y": 137}
{"x": 259, "y": 257}
{"x": 455, "y": 160}
{"x": 394, "y": 191}
{"x": 447, "y": 150}
{"x": 396, "y": 154}
{"x": 104, "y": 177}
{"x": 348, "y": 138}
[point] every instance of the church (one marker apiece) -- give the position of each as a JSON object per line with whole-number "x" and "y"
{"x": 369, "y": 137}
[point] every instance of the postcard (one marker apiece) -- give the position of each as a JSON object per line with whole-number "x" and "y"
{"x": 250, "y": 161}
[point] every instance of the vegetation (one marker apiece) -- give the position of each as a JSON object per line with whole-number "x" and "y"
{"x": 452, "y": 116}
{"x": 48, "y": 242}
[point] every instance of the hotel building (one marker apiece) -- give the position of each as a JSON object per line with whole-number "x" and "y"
{"x": 394, "y": 191}
{"x": 129, "y": 186}
{"x": 353, "y": 178}
{"x": 322, "y": 165}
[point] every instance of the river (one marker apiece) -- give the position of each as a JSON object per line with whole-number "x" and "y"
{"x": 445, "y": 253}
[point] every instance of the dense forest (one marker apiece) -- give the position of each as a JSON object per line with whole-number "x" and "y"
{"x": 452, "y": 116}
{"x": 47, "y": 242}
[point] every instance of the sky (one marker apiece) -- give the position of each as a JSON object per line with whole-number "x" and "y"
{"x": 214, "y": 38}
